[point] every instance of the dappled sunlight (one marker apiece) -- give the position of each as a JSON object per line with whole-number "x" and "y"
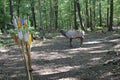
{"x": 106, "y": 75}
{"x": 92, "y": 47}
{"x": 3, "y": 50}
{"x": 95, "y": 59}
{"x": 18, "y": 73}
{"x": 14, "y": 75}
{"x": 117, "y": 46}
{"x": 49, "y": 56}
{"x": 3, "y": 56}
{"x": 76, "y": 50}
{"x": 114, "y": 40}
{"x": 92, "y": 42}
{"x": 54, "y": 69}
{"x": 54, "y": 59}
{"x": 69, "y": 78}
{"x": 99, "y": 51}
{"x": 72, "y": 51}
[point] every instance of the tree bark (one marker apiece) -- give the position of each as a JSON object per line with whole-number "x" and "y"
{"x": 33, "y": 14}
{"x": 79, "y": 14}
{"x": 111, "y": 16}
{"x": 94, "y": 13}
{"x": 100, "y": 14}
{"x": 18, "y": 8}
{"x": 51, "y": 15}
{"x": 56, "y": 14}
{"x": 91, "y": 25}
{"x": 87, "y": 14}
{"x": 75, "y": 22}
{"x": 107, "y": 14}
{"x": 40, "y": 15}
{"x": 69, "y": 15}
{"x": 2, "y": 22}
{"x": 11, "y": 9}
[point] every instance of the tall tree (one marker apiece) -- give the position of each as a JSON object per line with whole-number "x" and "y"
{"x": 79, "y": 14}
{"x": 91, "y": 16}
{"x": 33, "y": 13}
{"x": 18, "y": 8}
{"x": 69, "y": 14}
{"x": 75, "y": 21}
{"x": 87, "y": 14}
{"x": 56, "y": 14}
{"x": 40, "y": 13}
{"x": 100, "y": 14}
{"x": 111, "y": 16}
{"x": 45, "y": 14}
{"x": 11, "y": 9}
{"x": 94, "y": 12}
{"x": 107, "y": 13}
{"x": 51, "y": 15}
{"x": 2, "y": 16}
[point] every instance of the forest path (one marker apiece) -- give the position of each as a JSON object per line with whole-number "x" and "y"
{"x": 53, "y": 59}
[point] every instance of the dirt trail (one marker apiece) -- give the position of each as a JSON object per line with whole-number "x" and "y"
{"x": 53, "y": 59}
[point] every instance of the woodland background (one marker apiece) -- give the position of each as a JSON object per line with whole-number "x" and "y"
{"x": 52, "y": 15}
{"x": 52, "y": 58}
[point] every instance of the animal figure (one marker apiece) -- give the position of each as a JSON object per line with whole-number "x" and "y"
{"x": 73, "y": 34}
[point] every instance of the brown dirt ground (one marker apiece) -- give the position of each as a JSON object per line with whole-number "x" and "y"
{"x": 53, "y": 59}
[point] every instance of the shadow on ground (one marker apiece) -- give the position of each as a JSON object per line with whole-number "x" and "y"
{"x": 54, "y": 60}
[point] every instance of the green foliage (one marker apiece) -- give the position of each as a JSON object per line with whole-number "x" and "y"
{"x": 6, "y": 41}
{"x": 99, "y": 27}
{"x": 65, "y": 12}
{"x": 4, "y": 16}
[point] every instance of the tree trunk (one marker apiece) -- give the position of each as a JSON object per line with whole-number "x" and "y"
{"x": 2, "y": 22}
{"x": 91, "y": 25}
{"x": 11, "y": 9}
{"x": 51, "y": 15}
{"x": 56, "y": 14}
{"x": 33, "y": 14}
{"x": 107, "y": 14}
{"x": 40, "y": 15}
{"x": 45, "y": 15}
{"x": 79, "y": 14}
{"x": 87, "y": 14}
{"x": 111, "y": 16}
{"x": 69, "y": 15}
{"x": 18, "y": 8}
{"x": 42, "y": 32}
{"x": 94, "y": 13}
{"x": 75, "y": 22}
{"x": 100, "y": 14}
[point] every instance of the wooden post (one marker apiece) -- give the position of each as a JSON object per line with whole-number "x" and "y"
{"x": 28, "y": 61}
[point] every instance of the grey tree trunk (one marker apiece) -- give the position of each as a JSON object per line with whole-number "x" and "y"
{"x": 79, "y": 14}
{"x": 100, "y": 14}
{"x": 33, "y": 14}
{"x": 56, "y": 14}
{"x": 107, "y": 24}
{"x": 18, "y": 8}
{"x": 94, "y": 13}
{"x": 11, "y": 9}
{"x": 87, "y": 14}
{"x": 110, "y": 28}
{"x": 51, "y": 16}
{"x": 40, "y": 15}
{"x": 75, "y": 22}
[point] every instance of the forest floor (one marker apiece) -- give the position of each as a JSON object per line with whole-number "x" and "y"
{"x": 53, "y": 59}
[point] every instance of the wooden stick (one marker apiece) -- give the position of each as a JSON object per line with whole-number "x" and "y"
{"x": 23, "y": 54}
{"x": 28, "y": 61}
